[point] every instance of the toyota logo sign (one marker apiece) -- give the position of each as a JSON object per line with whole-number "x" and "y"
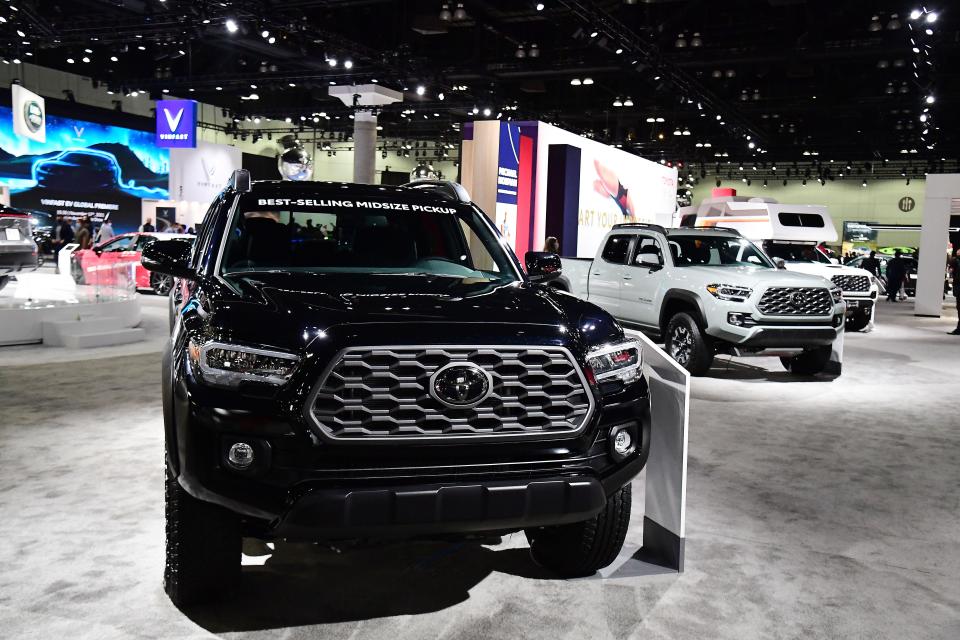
{"x": 461, "y": 385}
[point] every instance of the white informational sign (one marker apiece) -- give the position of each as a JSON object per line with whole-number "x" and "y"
{"x": 29, "y": 114}
{"x": 615, "y": 187}
{"x": 200, "y": 174}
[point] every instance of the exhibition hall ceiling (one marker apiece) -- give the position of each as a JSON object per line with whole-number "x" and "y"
{"x": 785, "y": 80}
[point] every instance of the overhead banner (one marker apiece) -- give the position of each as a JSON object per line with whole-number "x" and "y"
{"x": 200, "y": 174}
{"x": 177, "y": 124}
{"x": 29, "y": 114}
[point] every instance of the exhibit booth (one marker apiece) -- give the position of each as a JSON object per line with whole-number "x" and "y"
{"x": 537, "y": 180}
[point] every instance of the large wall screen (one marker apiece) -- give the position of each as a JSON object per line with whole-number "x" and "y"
{"x": 84, "y": 169}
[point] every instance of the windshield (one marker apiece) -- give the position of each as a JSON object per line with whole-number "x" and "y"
{"x": 363, "y": 237}
{"x": 716, "y": 251}
{"x": 789, "y": 252}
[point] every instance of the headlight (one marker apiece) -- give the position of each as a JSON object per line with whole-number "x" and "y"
{"x": 729, "y": 292}
{"x": 837, "y": 294}
{"x": 229, "y": 364}
{"x": 621, "y": 360}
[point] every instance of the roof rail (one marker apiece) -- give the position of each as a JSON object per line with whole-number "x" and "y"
{"x": 727, "y": 229}
{"x": 240, "y": 181}
{"x": 640, "y": 225}
{"x": 446, "y": 188}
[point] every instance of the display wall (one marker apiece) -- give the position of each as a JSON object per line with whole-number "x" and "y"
{"x": 537, "y": 180}
{"x": 846, "y": 200}
{"x": 83, "y": 169}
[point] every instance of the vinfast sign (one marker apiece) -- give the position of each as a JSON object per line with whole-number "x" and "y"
{"x": 177, "y": 124}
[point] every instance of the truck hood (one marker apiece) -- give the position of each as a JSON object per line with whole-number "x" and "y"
{"x": 826, "y": 270}
{"x": 753, "y": 277}
{"x": 286, "y": 310}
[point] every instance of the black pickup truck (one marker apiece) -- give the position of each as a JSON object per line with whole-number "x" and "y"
{"x": 358, "y": 362}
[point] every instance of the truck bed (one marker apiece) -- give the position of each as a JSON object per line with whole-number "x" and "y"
{"x": 576, "y": 271}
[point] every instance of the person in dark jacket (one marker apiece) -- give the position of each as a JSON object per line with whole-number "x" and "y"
{"x": 871, "y": 264}
{"x": 896, "y": 272}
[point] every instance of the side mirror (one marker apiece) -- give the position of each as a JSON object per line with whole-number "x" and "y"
{"x": 542, "y": 266}
{"x": 171, "y": 257}
{"x": 835, "y": 260}
{"x": 651, "y": 261}
{"x": 781, "y": 263}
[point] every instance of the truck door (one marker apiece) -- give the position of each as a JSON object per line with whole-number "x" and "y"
{"x": 638, "y": 295}
{"x": 607, "y": 272}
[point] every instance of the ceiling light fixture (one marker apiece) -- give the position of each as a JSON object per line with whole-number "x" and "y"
{"x": 231, "y": 25}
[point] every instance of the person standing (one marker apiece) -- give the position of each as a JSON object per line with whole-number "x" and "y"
{"x": 105, "y": 232}
{"x": 552, "y": 245}
{"x": 896, "y": 272}
{"x": 147, "y": 226}
{"x": 83, "y": 237}
{"x": 871, "y": 264}
{"x": 955, "y": 272}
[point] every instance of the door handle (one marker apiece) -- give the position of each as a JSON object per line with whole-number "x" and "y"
{"x": 628, "y": 277}
{"x": 597, "y": 273}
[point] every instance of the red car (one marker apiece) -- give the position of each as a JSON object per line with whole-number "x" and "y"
{"x": 110, "y": 263}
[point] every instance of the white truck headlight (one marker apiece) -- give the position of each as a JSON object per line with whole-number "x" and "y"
{"x": 229, "y": 364}
{"x": 729, "y": 292}
{"x": 621, "y": 360}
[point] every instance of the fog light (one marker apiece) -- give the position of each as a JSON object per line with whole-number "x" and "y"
{"x": 622, "y": 442}
{"x": 240, "y": 455}
{"x": 735, "y": 319}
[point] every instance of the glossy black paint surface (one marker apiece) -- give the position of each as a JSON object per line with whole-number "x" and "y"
{"x": 315, "y": 315}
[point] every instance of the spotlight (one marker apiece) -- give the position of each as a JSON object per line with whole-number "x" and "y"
{"x": 440, "y": 96}
{"x": 575, "y": 82}
{"x": 348, "y": 64}
{"x": 539, "y": 6}
{"x": 916, "y": 13}
{"x": 332, "y": 62}
{"x": 445, "y": 15}
{"x": 932, "y": 17}
{"x": 460, "y": 13}
{"x": 421, "y": 90}
{"x": 628, "y": 102}
{"x": 486, "y": 112}
{"x": 931, "y": 99}
{"x": 588, "y": 81}
{"x": 231, "y": 25}
{"x": 265, "y": 34}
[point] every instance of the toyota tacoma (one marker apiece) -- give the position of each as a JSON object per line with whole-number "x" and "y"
{"x": 356, "y": 362}
{"x": 710, "y": 291}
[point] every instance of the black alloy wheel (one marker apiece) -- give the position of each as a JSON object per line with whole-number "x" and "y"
{"x": 161, "y": 283}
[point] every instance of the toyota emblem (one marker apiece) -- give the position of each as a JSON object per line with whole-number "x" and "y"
{"x": 460, "y": 385}
{"x": 798, "y": 299}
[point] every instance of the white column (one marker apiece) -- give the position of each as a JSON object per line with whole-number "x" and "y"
{"x": 364, "y": 147}
{"x": 942, "y": 189}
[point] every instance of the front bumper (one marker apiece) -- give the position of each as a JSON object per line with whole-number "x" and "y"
{"x": 436, "y": 509}
{"x": 777, "y": 332}
{"x": 302, "y": 488}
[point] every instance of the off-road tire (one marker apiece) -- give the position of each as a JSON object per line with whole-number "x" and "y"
{"x": 810, "y": 362}
{"x": 203, "y": 548}
{"x": 857, "y": 322}
{"x": 688, "y": 345}
{"x": 583, "y": 548}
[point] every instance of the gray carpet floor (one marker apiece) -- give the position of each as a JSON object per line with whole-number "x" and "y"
{"x": 816, "y": 509}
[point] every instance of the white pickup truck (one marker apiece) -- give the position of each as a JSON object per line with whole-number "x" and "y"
{"x": 790, "y": 235}
{"x": 709, "y": 291}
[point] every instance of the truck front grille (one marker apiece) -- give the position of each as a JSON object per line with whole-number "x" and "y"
{"x": 384, "y": 393}
{"x": 852, "y": 283}
{"x": 796, "y": 301}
